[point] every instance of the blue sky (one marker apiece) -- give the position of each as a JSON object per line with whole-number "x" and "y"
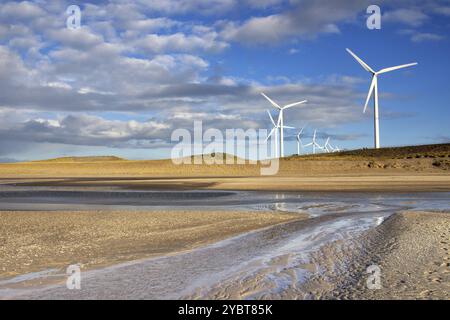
{"x": 136, "y": 71}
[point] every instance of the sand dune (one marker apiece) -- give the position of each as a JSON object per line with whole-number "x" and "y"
{"x": 423, "y": 168}
{"x": 432, "y": 160}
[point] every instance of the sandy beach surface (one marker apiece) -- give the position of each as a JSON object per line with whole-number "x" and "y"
{"x": 310, "y": 232}
{"x": 411, "y": 250}
{"x": 381, "y": 183}
{"x": 34, "y": 241}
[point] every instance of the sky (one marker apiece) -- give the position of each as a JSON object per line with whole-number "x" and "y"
{"x": 135, "y": 71}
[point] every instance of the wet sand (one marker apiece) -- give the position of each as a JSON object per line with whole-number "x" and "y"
{"x": 39, "y": 240}
{"x": 410, "y": 248}
{"x": 333, "y": 183}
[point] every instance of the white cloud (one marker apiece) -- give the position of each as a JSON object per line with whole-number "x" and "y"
{"x": 185, "y": 6}
{"x": 417, "y": 36}
{"x": 179, "y": 42}
{"x": 24, "y": 10}
{"x": 305, "y": 19}
{"x": 82, "y": 38}
{"x": 411, "y": 17}
{"x": 424, "y": 36}
{"x": 263, "y": 3}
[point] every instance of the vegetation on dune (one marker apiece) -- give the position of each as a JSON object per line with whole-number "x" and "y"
{"x": 408, "y": 152}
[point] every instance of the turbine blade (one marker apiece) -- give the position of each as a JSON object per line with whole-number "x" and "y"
{"x": 286, "y": 127}
{"x": 396, "y": 67}
{"x": 271, "y": 101}
{"x": 294, "y": 104}
{"x": 301, "y": 131}
{"x": 279, "y": 118}
{"x": 309, "y": 144}
{"x": 372, "y": 87}
{"x": 362, "y": 63}
{"x": 270, "y": 134}
{"x": 271, "y": 119}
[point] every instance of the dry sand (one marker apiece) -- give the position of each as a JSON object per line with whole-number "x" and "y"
{"x": 411, "y": 250}
{"x": 422, "y": 168}
{"x": 35, "y": 241}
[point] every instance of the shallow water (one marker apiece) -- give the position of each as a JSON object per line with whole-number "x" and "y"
{"x": 266, "y": 263}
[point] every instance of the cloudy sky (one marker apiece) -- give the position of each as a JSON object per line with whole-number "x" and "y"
{"x": 137, "y": 70}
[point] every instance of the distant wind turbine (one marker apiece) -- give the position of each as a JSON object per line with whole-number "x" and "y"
{"x": 299, "y": 141}
{"x": 329, "y": 148}
{"x": 314, "y": 143}
{"x": 281, "y": 118}
{"x": 327, "y": 145}
{"x": 374, "y": 90}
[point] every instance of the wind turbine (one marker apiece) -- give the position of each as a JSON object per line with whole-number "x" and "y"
{"x": 314, "y": 143}
{"x": 275, "y": 129}
{"x": 281, "y": 119}
{"x": 327, "y": 145}
{"x": 329, "y": 148}
{"x": 299, "y": 141}
{"x": 374, "y": 90}
{"x": 335, "y": 149}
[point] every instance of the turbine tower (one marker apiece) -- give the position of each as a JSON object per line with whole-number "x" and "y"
{"x": 275, "y": 129}
{"x": 299, "y": 141}
{"x": 374, "y": 91}
{"x": 281, "y": 119}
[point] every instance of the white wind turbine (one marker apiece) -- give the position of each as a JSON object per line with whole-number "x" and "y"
{"x": 281, "y": 118}
{"x": 327, "y": 146}
{"x": 299, "y": 141}
{"x": 314, "y": 143}
{"x": 275, "y": 129}
{"x": 374, "y": 90}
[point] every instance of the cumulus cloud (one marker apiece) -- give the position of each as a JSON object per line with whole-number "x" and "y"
{"x": 85, "y": 130}
{"x": 179, "y": 42}
{"x": 185, "y": 6}
{"x": 414, "y": 17}
{"x": 19, "y": 11}
{"x": 148, "y": 60}
{"x": 418, "y": 37}
{"x": 305, "y": 19}
{"x": 426, "y": 36}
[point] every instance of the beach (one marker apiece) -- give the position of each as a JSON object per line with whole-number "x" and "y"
{"x": 418, "y": 168}
{"x": 226, "y": 232}
{"x": 410, "y": 250}
{"x": 34, "y": 240}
